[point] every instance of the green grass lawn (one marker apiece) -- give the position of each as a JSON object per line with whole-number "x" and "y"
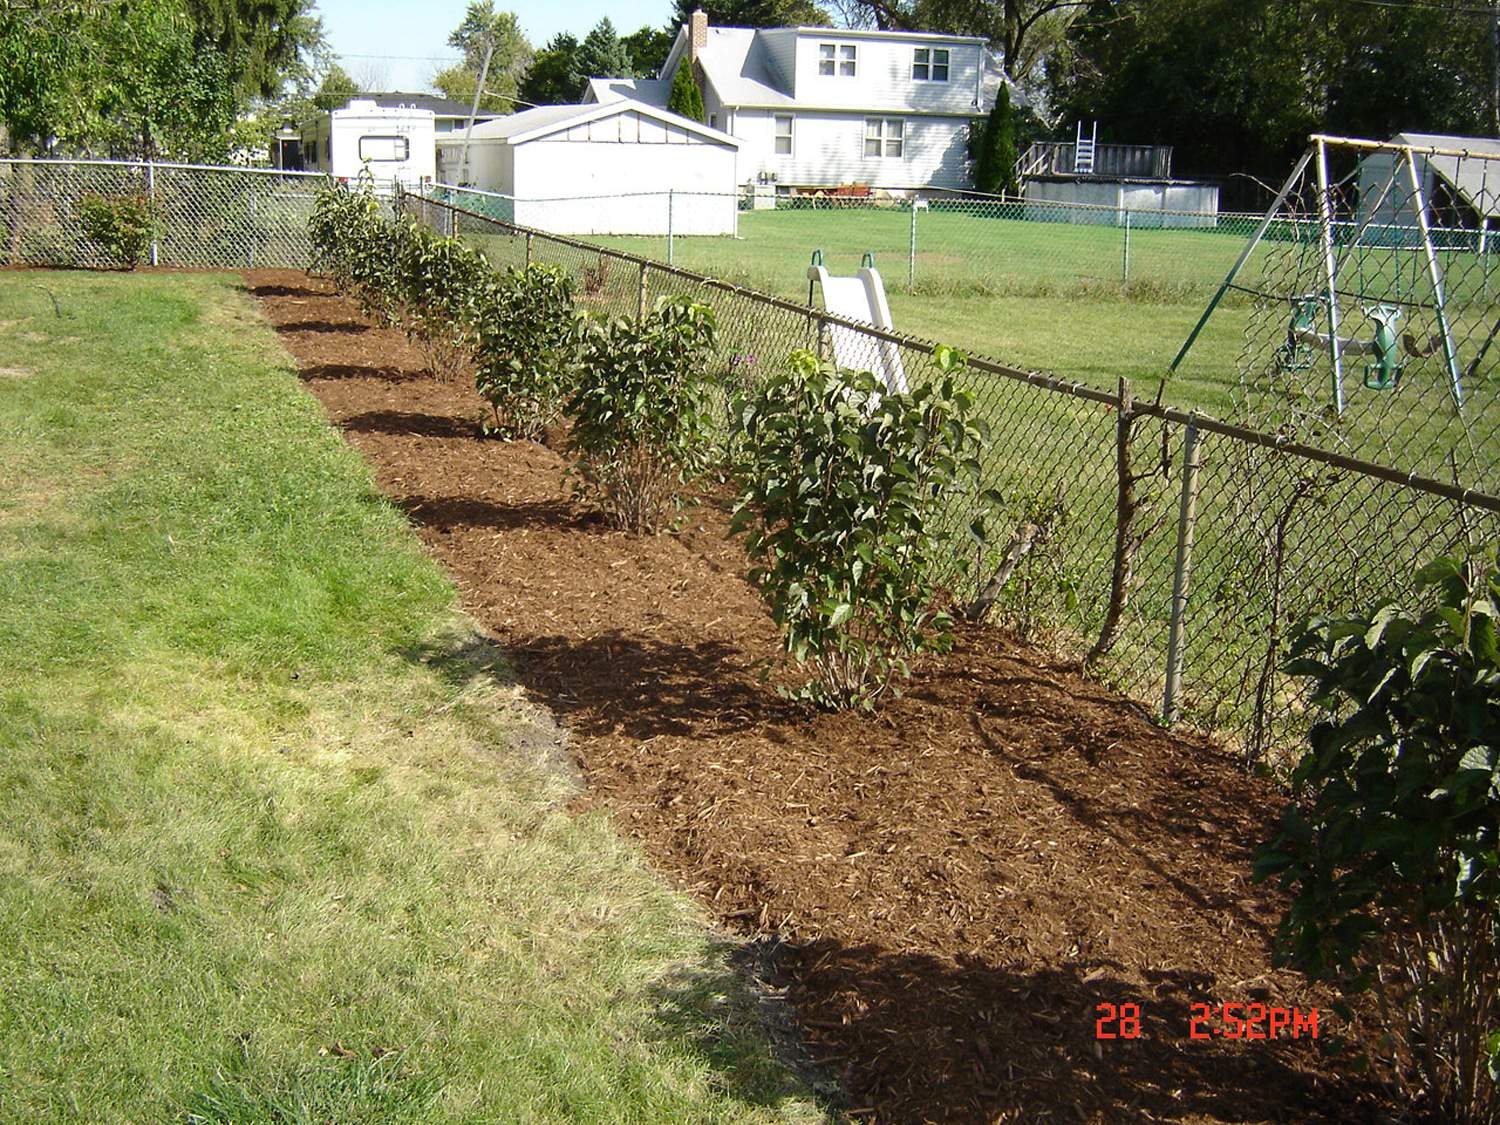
{"x": 279, "y": 841}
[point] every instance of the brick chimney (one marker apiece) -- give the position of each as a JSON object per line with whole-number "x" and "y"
{"x": 697, "y": 33}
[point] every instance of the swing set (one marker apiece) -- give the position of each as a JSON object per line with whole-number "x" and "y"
{"x": 1315, "y": 317}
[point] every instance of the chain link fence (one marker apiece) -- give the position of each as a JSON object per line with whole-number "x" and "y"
{"x": 1168, "y": 551}
{"x": 204, "y": 217}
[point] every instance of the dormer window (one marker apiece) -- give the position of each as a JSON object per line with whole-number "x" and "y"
{"x": 841, "y": 59}
{"x": 930, "y": 64}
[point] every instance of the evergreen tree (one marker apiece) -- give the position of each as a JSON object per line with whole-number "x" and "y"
{"x": 603, "y": 55}
{"x": 995, "y": 163}
{"x": 685, "y": 99}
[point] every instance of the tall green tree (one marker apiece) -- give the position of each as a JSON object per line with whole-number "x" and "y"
{"x": 553, "y": 78}
{"x": 265, "y": 43}
{"x": 481, "y": 27}
{"x": 648, "y": 49}
{"x": 602, "y": 54}
{"x": 995, "y": 162}
{"x": 1237, "y": 85}
{"x": 335, "y": 90}
{"x": 685, "y": 99}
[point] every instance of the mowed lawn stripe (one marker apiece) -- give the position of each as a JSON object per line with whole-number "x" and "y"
{"x": 279, "y": 839}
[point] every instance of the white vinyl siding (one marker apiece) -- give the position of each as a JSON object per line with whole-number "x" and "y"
{"x": 929, "y": 64}
{"x": 885, "y": 136}
{"x": 887, "y": 76}
{"x": 829, "y": 150}
{"x": 783, "y": 134}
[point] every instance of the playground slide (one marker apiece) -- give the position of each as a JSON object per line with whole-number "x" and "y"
{"x": 861, "y": 298}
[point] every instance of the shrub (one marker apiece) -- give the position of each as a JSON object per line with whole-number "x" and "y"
{"x": 120, "y": 225}
{"x": 441, "y": 286}
{"x": 527, "y": 350}
{"x": 1390, "y": 848}
{"x": 356, "y": 245}
{"x": 843, "y": 490}
{"x": 639, "y": 415}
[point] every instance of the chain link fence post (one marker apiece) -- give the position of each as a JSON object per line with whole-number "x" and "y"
{"x": 911, "y": 253}
{"x": 529, "y": 250}
{"x": 151, "y": 208}
{"x": 1182, "y": 573}
{"x": 671, "y": 195}
{"x": 1125, "y": 278}
{"x": 640, "y": 296}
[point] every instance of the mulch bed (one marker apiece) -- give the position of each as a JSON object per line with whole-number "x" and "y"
{"x": 958, "y": 880}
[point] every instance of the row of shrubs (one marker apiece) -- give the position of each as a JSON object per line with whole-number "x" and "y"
{"x": 845, "y": 494}
{"x": 843, "y": 486}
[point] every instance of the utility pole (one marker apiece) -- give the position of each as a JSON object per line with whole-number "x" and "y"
{"x": 484, "y": 72}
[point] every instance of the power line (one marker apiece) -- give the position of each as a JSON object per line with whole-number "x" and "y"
{"x": 400, "y": 58}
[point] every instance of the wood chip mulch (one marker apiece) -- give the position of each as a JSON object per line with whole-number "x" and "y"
{"x": 959, "y": 880}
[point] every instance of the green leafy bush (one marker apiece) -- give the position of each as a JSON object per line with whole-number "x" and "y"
{"x": 355, "y": 245}
{"x": 1390, "y": 849}
{"x": 442, "y": 287}
{"x": 526, "y": 356}
{"x": 844, "y": 486}
{"x": 639, "y": 414}
{"x": 120, "y": 225}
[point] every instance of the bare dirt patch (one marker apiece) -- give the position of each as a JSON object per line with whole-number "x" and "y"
{"x": 953, "y": 885}
{"x": 16, "y": 372}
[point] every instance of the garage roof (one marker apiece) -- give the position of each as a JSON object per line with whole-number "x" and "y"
{"x": 544, "y": 121}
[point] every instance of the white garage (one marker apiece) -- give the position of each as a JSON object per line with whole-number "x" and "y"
{"x": 619, "y": 168}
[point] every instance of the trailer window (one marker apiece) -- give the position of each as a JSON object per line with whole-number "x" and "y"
{"x": 384, "y": 149}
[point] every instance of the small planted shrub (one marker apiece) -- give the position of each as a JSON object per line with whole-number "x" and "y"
{"x": 442, "y": 287}
{"x": 843, "y": 491}
{"x": 356, "y": 246}
{"x": 639, "y": 412}
{"x": 526, "y": 353}
{"x": 120, "y": 225}
{"x": 1390, "y": 847}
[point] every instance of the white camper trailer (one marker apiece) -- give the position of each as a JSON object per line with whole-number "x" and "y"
{"x": 393, "y": 143}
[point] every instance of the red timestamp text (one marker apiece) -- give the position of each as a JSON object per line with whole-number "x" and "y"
{"x": 1214, "y": 1021}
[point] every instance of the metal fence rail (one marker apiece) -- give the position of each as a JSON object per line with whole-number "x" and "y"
{"x": 205, "y": 217}
{"x": 1229, "y": 535}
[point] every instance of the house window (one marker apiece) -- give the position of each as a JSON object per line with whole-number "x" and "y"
{"x": 840, "y": 59}
{"x": 713, "y": 120}
{"x": 312, "y": 152}
{"x": 783, "y": 134}
{"x": 884, "y": 136}
{"x": 384, "y": 149}
{"x": 930, "y": 64}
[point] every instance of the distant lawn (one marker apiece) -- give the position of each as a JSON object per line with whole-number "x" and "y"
{"x": 279, "y": 841}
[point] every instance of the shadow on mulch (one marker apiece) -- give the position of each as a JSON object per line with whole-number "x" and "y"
{"x": 360, "y": 371}
{"x": 451, "y": 513}
{"x": 349, "y": 328}
{"x": 955, "y": 881}
{"x": 411, "y": 422}
{"x": 264, "y": 292}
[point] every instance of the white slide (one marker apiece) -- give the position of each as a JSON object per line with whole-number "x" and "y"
{"x": 861, "y": 298}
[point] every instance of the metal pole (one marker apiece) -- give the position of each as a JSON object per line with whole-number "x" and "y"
{"x": 670, "y": 195}
{"x": 1435, "y": 274}
{"x": 640, "y": 297}
{"x": 1331, "y": 271}
{"x": 1234, "y": 270}
{"x": 484, "y": 72}
{"x": 911, "y": 253}
{"x": 151, "y": 208}
{"x": 1126, "y": 278}
{"x": 250, "y": 225}
{"x": 528, "y": 249}
{"x": 1182, "y": 573}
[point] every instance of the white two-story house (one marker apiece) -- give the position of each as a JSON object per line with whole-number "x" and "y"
{"x": 822, "y": 107}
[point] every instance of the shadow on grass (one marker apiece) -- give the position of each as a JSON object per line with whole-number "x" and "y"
{"x": 965, "y": 1040}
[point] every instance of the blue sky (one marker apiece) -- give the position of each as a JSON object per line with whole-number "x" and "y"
{"x": 410, "y": 34}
